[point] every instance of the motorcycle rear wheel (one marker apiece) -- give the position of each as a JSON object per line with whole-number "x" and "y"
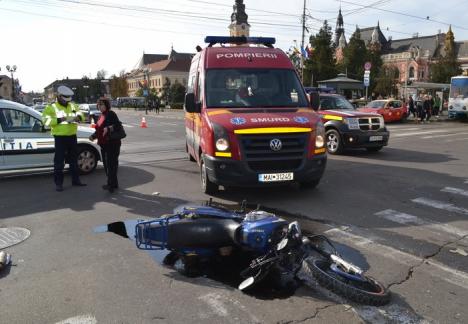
{"x": 370, "y": 292}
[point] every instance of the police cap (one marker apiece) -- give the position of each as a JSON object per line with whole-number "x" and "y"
{"x": 65, "y": 92}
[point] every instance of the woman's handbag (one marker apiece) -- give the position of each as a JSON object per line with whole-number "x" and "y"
{"x": 117, "y": 134}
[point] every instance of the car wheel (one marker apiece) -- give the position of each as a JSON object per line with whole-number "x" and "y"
{"x": 334, "y": 143}
{"x": 374, "y": 149}
{"x": 208, "y": 187}
{"x": 87, "y": 159}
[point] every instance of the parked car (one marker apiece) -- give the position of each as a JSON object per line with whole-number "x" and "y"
{"x": 90, "y": 112}
{"x": 390, "y": 109}
{"x": 26, "y": 144}
{"x": 347, "y": 128}
{"x": 39, "y": 107}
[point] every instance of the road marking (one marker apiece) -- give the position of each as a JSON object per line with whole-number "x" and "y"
{"x": 169, "y": 131}
{"x": 82, "y": 319}
{"x": 170, "y": 124}
{"x": 456, "y": 191}
{"x": 444, "y": 135}
{"x": 407, "y": 219}
{"x": 456, "y": 139}
{"x": 214, "y": 301}
{"x": 466, "y": 181}
{"x": 421, "y": 133}
{"x": 403, "y": 128}
{"x": 128, "y": 125}
{"x": 456, "y": 277}
{"x": 440, "y": 205}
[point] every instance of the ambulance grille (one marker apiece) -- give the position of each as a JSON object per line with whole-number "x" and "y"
{"x": 261, "y": 157}
{"x": 369, "y": 123}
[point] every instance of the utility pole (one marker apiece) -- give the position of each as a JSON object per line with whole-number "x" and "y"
{"x": 302, "y": 40}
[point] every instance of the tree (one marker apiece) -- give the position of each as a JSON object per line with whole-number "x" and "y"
{"x": 447, "y": 66}
{"x": 355, "y": 56}
{"x": 101, "y": 74}
{"x": 177, "y": 92}
{"x": 374, "y": 57}
{"x": 387, "y": 81}
{"x": 165, "y": 93}
{"x": 321, "y": 65}
{"x": 118, "y": 85}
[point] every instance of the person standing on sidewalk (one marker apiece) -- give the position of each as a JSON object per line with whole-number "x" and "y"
{"x": 110, "y": 149}
{"x": 437, "y": 103}
{"x": 63, "y": 117}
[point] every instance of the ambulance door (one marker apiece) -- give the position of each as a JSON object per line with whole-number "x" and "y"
{"x": 25, "y": 143}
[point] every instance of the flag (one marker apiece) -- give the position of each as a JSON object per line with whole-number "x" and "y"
{"x": 304, "y": 52}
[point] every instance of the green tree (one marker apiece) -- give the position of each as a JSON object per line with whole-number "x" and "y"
{"x": 374, "y": 57}
{"x": 321, "y": 64}
{"x": 165, "y": 93}
{"x": 177, "y": 92}
{"x": 118, "y": 85}
{"x": 101, "y": 74}
{"x": 387, "y": 81}
{"x": 447, "y": 65}
{"x": 355, "y": 56}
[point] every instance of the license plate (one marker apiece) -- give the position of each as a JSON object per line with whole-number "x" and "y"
{"x": 274, "y": 177}
{"x": 375, "y": 138}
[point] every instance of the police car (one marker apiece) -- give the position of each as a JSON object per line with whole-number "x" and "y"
{"x": 26, "y": 144}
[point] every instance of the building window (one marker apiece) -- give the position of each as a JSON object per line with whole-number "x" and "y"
{"x": 411, "y": 72}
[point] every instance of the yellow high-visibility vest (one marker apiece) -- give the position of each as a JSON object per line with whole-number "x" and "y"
{"x": 56, "y": 110}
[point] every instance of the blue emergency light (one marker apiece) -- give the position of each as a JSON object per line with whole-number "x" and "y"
{"x": 267, "y": 41}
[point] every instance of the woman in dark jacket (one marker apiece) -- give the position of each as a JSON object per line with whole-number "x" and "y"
{"x": 110, "y": 149}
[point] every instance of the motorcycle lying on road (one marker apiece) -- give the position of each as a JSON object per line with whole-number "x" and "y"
{"x": 267, "y": 242}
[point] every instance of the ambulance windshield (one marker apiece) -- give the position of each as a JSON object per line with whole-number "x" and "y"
{"x": 241, "y": 88}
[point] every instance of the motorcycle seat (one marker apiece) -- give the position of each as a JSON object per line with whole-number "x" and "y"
{"x": 202, "y": 233}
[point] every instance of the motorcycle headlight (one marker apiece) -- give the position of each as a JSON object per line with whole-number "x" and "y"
{"x": 353, "y": 123}
{"x": 320, "y": 136}
{"x": 222, "y": 144}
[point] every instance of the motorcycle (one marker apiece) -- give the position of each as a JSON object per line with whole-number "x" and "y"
{"x": 196, "y": 235}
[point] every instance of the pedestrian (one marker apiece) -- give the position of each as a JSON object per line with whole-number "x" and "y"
{"x": 420, "y": 110}
{"x": 110, "y": 148}
{"x": 157, "y": 106}
{"x": 437, "y": 103}
{"x": 63, "y": 117}
{"x": 428, "y": 108}
{"x": 411, "y": 108}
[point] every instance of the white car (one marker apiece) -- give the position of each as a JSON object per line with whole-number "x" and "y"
{"x": 26, "y": 144}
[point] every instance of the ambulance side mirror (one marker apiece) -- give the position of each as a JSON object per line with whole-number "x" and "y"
{"x": 190, "y": 105}
{"x": 314, "y": 100}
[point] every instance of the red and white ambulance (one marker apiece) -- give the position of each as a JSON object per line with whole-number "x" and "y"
{"x": 248, "y": 119}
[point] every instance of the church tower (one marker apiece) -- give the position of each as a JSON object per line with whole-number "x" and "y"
{"x": 239, "y": 25}
{"x": 339, "y": 30}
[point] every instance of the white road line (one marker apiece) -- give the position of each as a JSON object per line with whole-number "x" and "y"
{"x": 444, "y": 135}
{"x": 128, "y": 125}
{"x": 440, "y": 205}
{"x": 403, "y": 129}
{"x": 407, "y": 219}
{"x": 421, "y": 133}
{"x": 456, "y": 191}
{"x": 456, "y": 139}
{"x": 169, "y": 131}
{"x": 438, "y": 269}
{"x": 82, "y": 319}
{"x": 466, "y": 181}
{"x": 170, "y": 124}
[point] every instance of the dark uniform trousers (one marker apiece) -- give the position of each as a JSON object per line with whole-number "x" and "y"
{"x": 66, "y": 148}
{"x": 110, "y": 158}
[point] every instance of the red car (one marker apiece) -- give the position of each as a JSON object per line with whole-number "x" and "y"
{"x": 390, "y": 109}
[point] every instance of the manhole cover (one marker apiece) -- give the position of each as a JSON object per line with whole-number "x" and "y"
{"x": 12, "y": 235}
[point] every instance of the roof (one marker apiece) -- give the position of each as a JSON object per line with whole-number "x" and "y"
{"x": 171, "y": 65}
{"x": 425, "y": 43}
{"x": 462, "y": 49}
{"x": 148, "y": 59}
{"x": 341, "y": 78}
{"x": 366, "y": 35}
{"x": 68, "y": 82}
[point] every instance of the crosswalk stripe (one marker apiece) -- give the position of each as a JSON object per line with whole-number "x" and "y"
{"x": 128, "y": 125}
{"x": 456, "y": 191}
{"x": 444, "y": 135}
{"x": 440, "y": 205}
{"x": 420, "y": 133}
{"x": 438, "y": 269}
{"x": 407, "y": 219}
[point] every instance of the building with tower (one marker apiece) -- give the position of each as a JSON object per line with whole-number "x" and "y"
{"x": 239, "y": 25}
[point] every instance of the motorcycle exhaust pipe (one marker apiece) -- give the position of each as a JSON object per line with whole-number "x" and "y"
{"x": 346, "y": 265}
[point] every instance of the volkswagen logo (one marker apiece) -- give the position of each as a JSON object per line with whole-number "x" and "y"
{"x": 275, "y": 144}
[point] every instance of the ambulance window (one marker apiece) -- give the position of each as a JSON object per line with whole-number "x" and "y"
{"x": 17, "y": 121}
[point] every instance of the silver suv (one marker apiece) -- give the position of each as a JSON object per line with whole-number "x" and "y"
{"x": 26, "y": 144}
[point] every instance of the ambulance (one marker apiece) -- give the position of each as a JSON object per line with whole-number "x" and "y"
{"x": 248, "y": 119}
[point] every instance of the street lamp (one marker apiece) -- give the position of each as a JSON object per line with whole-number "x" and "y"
{"x": 12, "y": 69}
{"x": 86, "y": 87}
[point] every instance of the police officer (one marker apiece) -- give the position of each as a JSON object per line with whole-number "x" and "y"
{"x": 62, "y": 117}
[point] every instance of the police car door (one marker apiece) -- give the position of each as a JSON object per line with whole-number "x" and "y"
{"x": 25, "y": 144}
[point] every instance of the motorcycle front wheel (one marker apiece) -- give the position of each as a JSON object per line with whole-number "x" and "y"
{"x": 368, "y": 291}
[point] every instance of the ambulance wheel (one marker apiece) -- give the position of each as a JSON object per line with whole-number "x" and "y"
{"x": 87, "y": 159}
{"x": 334, "y": 143}
{"x": 208, "y": 187}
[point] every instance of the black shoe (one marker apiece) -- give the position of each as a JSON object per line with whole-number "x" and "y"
{"x": 79, "y": 184}
{"x": 105, "y": 187}
{"x": 59, "y": 188}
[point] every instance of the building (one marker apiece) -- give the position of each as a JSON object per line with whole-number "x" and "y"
{"x": 5, "y": 87}
{"x": 154, "y": 70}
{"x": 344, "y": 86}
{"x": 239, "y": 25}
{"x": 86, "y": 90}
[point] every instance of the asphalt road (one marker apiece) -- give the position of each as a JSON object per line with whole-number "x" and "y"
{"x": 400, "y": 213}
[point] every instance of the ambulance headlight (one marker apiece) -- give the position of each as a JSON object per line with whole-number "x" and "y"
{"x": 222, "y": 144}
{"x": 320, "y": 136}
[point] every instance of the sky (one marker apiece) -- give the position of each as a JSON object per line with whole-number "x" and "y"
{"x": 54, "y": 39}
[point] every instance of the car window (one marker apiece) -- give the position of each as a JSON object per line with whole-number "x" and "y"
{"x": 17, "y": 121}
{"x": 376, "y": 104}
{"x": 335, "y": 103}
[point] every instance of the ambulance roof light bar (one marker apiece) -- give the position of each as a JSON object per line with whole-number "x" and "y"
{"x": 267, "y": 41}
